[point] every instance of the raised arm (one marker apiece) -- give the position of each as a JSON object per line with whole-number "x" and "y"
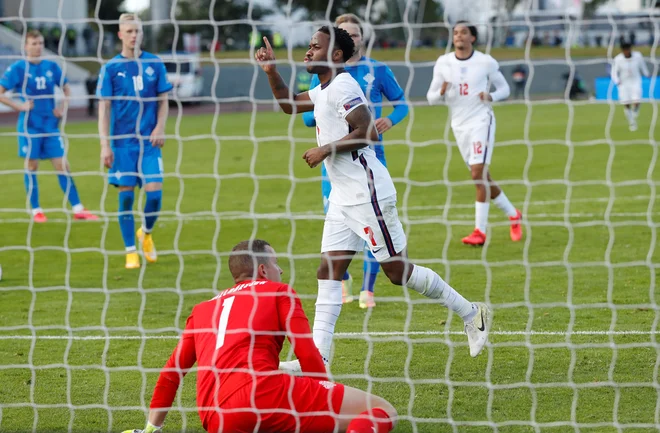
{"x": 290, "y": 103}
{"x": 363, "y": 132}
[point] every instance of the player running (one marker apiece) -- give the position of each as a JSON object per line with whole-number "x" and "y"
{"x": 376, "y": 81}
{"x": 363, "y": 198}
{"x": 34, "y": 81}
{"x": 236, "y": 339}
{"x": 463, "y": 79}
{"x": 133, "y": 89}
{"x": 627, "y": 71}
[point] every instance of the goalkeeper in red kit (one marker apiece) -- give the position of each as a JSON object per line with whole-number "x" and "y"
{"x": 236, "y": 339}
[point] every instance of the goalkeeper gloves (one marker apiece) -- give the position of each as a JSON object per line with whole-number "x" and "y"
{"x": 150, "y": 428}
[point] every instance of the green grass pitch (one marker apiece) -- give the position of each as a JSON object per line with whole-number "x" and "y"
{"x": 587, "y": 265}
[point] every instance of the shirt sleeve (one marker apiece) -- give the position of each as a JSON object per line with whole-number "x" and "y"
{"x": 433, "y": 94}
{"x": 60, "y": 79}
{"x": 642, "y": 65}
{"x": 294, "y": 322}
{"x": 164, "y": 85}
{"x": 614, "y": 72}
{"x": 10, "y": 78}
{"x": 313, "y": 93}
{"x": 104, "y": 86}
{"x": 502, "y": 89}
{"x": 308, "y": 116}
{"x": 346, "y": 97}
{"x": 394, "y": 93}
{"x": 180, "y": 362}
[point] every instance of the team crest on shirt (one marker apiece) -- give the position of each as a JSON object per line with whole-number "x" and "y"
{"x": 369, "y": 78}
{"x": 150, "y": 71}
{"x": 352, "y": 103}
{"x": 49, "y": 74}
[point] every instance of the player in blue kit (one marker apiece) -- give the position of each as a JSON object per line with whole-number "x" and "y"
{"x": 34, "y": 81}
{"x": 133, "y": 110}
{"x": 376, "y": 80}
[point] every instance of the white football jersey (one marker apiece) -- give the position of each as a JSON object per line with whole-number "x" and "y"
{"x": 357, "y": 177}
{"x": 628, "y": 71}
{"x": 467, "y": 78}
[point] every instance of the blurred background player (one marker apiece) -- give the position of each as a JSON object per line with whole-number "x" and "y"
{"x": 463, "y": 78}
{"x": 132, "y": 91}
{"x": 376, "y": 80}
{"x": 362, "y": 204}
{"x": 627, "y": 73}
{"x": 236, "y": 339}
{"x": 34, "y": 81}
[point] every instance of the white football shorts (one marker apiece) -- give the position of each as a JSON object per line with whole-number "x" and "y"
{"x": 630, "y": 93}
{"x": 475, "y": 141}
{"x": 347, "y": 228}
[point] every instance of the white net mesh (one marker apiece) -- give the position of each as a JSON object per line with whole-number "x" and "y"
{"x": 573, "y": 346}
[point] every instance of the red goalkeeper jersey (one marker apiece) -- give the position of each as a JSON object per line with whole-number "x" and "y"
{"x": 236, "y": 339}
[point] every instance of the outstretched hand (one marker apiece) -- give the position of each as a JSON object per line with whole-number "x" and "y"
{"x": 266, "y": 57}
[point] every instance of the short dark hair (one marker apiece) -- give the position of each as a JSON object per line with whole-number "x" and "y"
{"x": 246, "y": 256}
{"x": 343, "y": 40}
{"x": 471, "y": 28}
{"x": 626, "y": 45}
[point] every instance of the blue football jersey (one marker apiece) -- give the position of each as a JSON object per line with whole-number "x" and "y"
{"x": 37, "y": 82}
{"x": 133, "y": 85}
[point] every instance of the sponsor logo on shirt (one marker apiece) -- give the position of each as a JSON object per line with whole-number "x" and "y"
{"x": 327, "y": 385}
{"x": 352, "y": 103}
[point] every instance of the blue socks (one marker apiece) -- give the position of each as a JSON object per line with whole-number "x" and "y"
{"x": 32, "y": 188}
{"x": 371, "y": 269}
{"x": 126, "y": 220}
{"x": 151, "y": 209}
{"x": 66, "y": 182}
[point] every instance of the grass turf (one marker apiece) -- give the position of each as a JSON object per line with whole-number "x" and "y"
{"x": 586, "y": 265}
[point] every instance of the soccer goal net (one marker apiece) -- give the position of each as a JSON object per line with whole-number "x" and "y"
{"x": 573, "y": 347}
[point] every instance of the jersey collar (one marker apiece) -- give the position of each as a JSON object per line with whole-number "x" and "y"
{"x": 323, "y": 86}
{"x": 467, "y": 58}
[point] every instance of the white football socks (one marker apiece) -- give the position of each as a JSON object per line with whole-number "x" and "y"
{"x": 328, "y": 307}
{"x": 503, "y": 202}
{"x": 428, "y": 283}
{"x": 481, "y": 215}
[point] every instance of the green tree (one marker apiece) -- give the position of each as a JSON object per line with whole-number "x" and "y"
{"x": 107, "y": 10}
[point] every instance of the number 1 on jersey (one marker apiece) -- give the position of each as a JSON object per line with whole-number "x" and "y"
{"x": 463, "y": 89}
{"x": 222, "y": 324}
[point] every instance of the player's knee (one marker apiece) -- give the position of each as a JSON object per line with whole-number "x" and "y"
{"x": 32, "y": 164}
{"x": 323, "y": 272}
{"x": 388, "y": 408}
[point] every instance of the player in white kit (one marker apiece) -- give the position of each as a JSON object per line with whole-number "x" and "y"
{"x": 627, "y": 73}
{"x": 363, "y": 198}
{"x": 463, "y": 79}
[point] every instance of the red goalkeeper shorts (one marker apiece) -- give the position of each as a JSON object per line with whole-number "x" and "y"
{"x": 280, "y": 403}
